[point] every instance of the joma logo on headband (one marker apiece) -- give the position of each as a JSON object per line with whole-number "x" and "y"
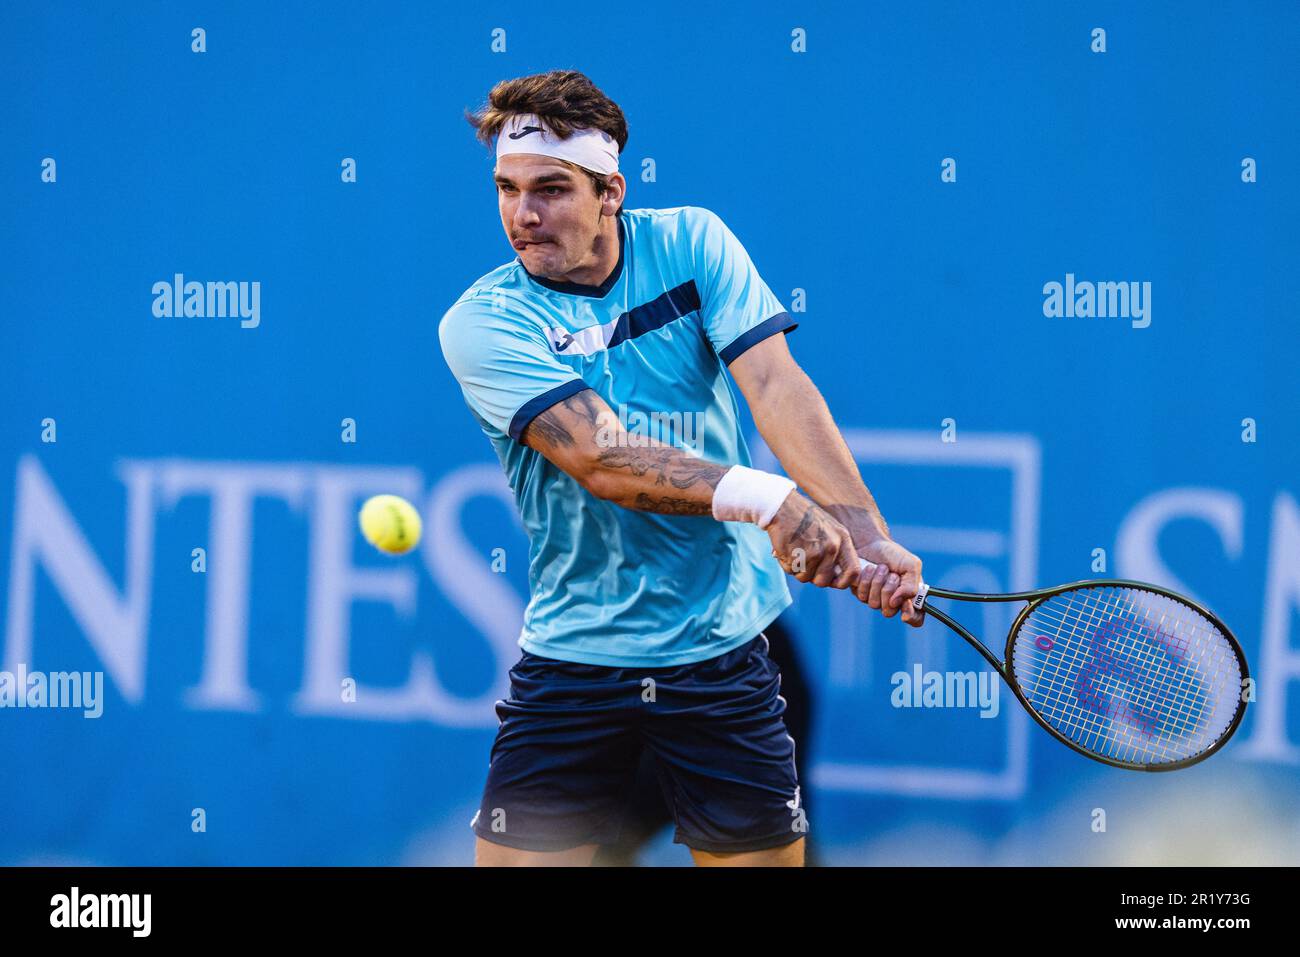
{"x": 525, "y": 131}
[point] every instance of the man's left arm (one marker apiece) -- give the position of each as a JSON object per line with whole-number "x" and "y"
{"x": 796, "y": 423}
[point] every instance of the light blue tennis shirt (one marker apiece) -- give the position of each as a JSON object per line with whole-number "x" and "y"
{"x": 610, "y": 585}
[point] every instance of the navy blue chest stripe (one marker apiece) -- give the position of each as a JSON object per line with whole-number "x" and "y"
{"x": 657, "y": 313}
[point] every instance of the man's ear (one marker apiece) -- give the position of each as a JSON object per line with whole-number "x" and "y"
{"x": 617, "y": 182}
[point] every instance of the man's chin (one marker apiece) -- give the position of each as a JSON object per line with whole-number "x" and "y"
{"x": 540, "y": 254}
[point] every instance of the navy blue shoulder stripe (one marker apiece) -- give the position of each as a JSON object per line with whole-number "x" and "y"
{"x": 536, "y": 406}
{"x": 657, "y": 313}
{"x": 781, "y": 322}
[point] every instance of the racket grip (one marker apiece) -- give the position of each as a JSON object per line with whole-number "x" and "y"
{"x": 918, "y": 603}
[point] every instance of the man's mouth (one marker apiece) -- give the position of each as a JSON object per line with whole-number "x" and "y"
{"x": 523, "y": 243}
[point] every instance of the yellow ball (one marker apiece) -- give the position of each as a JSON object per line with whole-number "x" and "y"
{"x": 390, "y": 523}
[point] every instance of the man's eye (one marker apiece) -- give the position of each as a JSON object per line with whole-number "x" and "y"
{"x": 557, "y": 189}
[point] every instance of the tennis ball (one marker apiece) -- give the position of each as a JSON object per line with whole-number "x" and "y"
{"x": 390, "y": 523}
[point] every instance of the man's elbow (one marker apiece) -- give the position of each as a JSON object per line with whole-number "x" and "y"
{"x": 586, "y": 468}
{"x": 611, "y": 485}
{"x": 591, "y": 475}
{"x": 602, "y": 483}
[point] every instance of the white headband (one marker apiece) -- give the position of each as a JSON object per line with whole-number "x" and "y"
{"x": 590, "y": 148}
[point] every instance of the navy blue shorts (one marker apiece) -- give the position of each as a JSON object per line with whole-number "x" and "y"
{"x": 565, "y": 756}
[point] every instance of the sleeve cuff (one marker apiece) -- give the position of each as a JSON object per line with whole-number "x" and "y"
{"x": 536, "y": 406}
{"x": 781, "y": 322}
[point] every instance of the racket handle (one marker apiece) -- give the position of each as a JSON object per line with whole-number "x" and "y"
{"x": 918, "y": 603}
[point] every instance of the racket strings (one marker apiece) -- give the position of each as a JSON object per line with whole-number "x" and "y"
{"x": 1096, "y": 699}
{"x": 1121, "y": 682}
{"x": 1116, "y": 663}
{"x": 1119, "y": 678}
{"x": 1125, "y": 694}
{"x": 1128, "y": 674}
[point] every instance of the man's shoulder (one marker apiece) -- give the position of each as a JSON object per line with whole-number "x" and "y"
{"x": 674, "y": 219}
{"x": 674, "y": 235}
{"x": 492, "y": 298}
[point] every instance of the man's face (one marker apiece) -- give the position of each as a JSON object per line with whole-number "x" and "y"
{"x": 550, "y": 212}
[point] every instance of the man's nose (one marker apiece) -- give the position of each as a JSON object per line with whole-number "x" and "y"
{"x": 526, "y": 213}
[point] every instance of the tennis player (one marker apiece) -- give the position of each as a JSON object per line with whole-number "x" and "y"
{"x": 655, "y": 561}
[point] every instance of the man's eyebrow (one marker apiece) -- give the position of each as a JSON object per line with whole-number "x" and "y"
{"x": 539, "y": 181}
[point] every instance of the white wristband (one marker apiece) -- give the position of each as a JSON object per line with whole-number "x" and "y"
{"x": 750, "y": 495}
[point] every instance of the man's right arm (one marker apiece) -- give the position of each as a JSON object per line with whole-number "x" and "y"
{"x": 582, "y": 436}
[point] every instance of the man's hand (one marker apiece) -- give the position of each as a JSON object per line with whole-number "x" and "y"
{"x": 895, "y": 582}
{"x": 809, "y": 544}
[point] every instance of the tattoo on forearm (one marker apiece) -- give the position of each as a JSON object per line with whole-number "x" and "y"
{"x": 672, "y": 506}
{"x": 671, "y": 466}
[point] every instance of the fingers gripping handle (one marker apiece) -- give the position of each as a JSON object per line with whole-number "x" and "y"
{"x": 918, "y": 602}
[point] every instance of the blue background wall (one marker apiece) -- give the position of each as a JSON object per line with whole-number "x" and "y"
{"x": 924, "y": 302}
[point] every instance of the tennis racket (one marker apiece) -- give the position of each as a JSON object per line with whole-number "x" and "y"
{"x": 1126, "y": 673}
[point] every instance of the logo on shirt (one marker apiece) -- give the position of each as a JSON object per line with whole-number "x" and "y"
{"x": 584, "y": 342}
